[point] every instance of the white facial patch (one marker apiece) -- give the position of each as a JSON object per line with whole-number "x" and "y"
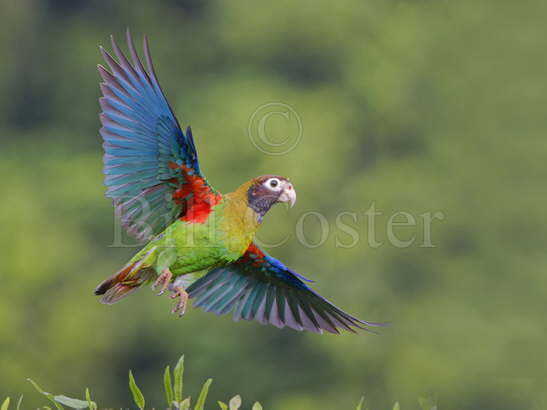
{"x": 273, "y": 184}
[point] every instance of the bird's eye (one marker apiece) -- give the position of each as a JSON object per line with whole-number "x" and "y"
{"x": 274, "y": 183}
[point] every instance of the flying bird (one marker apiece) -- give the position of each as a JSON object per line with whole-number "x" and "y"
{"x": 153, "y": 177}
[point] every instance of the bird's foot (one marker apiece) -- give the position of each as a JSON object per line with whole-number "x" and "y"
{"x": 163, "y": 281}
{"x": 180, "y": 293}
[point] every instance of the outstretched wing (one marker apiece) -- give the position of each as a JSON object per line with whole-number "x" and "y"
{"x": 259, "y": 287}
{"x": 151, "y": 165}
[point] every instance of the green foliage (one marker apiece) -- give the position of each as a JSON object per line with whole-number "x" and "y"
{"x": 136, "y": 392}
{"x": 177, "y": 404}
{"x": 91, "y": 405}
{"x": 168, "y": 386}
{"x": 179, "y": 373}
{"x": 203, "y": 395}
{"x": 185, "y": 404}
{"x": 235, "y": 402}
{"x": 50, "y": 396}
{"x": 71, "y": 403}
{"x": 60, "y": 400}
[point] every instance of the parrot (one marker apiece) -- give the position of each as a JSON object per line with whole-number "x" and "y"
{"x": 200, "y": 243}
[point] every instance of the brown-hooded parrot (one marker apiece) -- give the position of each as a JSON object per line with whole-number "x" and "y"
{"x": 159, "y": 192}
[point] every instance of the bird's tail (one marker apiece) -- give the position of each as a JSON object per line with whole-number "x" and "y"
{"x": 125, "y": 282}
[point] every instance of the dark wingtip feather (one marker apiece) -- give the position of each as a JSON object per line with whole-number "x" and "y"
{"x": 134, "y": 55}
{"x": 103, "y": 287}
{"x": 117, "y": 292}
{"x": 105, "y": 74}
{"x": 148, "y": 57}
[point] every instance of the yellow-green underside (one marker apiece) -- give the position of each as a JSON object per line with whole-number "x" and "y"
{"x": 188, "y": 247}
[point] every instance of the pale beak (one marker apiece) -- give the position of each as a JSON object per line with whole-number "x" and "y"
{"x": 288, "y": 195}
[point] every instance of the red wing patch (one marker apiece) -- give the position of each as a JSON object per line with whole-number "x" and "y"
{"x": 252, "y": 255}
{"x": 197, "y": 197}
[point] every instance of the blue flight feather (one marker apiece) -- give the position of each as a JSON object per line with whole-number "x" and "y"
{"x": 142, "y": 138}
{"x": 264, "y": 289}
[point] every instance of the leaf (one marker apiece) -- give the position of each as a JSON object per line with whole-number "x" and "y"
{"x": 91, "y": 404}
{"x": 257, "y": 406}
{"x": 235, "y": 402}
{"x": 203, "y": 395}
{"x": 45, "y": 393}
{"x": 19, "y": 403}
{"x": 223, "y": 406}
{"x": 168, "y": 386}
{"x": 5, "y": 405}
{"x": 137, "y": 394}
{"x": 361, "y": 403}
{"x": 72, "y": 403}
{"x": 178, "y": 374}
{"x": 185, "y": 404}
{"x": 396, "y": 406}
{"x": 427, "y": 403}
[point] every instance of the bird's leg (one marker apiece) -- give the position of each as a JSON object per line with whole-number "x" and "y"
{"x": 180, "y": 293}
{"x": 163, "y": 281}
{"x": 165, "y": 259}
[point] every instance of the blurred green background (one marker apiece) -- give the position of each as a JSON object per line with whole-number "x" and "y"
{"x": 419, "y": 106}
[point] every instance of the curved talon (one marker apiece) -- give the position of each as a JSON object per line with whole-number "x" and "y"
{"x": 180, "y": 307}
{"x": 163, "y": 281}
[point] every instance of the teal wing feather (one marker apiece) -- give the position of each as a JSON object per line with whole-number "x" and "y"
{"x": 259, "y": 287}
{"x": 148, "y": 158}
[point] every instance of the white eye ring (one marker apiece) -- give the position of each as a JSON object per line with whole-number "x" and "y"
{"x": 273, "y": 183}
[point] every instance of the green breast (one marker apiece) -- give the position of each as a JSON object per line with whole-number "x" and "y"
{"x": 221, "y": 239}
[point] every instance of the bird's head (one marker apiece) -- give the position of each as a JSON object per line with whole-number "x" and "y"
{"x": 267, "y": 190}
